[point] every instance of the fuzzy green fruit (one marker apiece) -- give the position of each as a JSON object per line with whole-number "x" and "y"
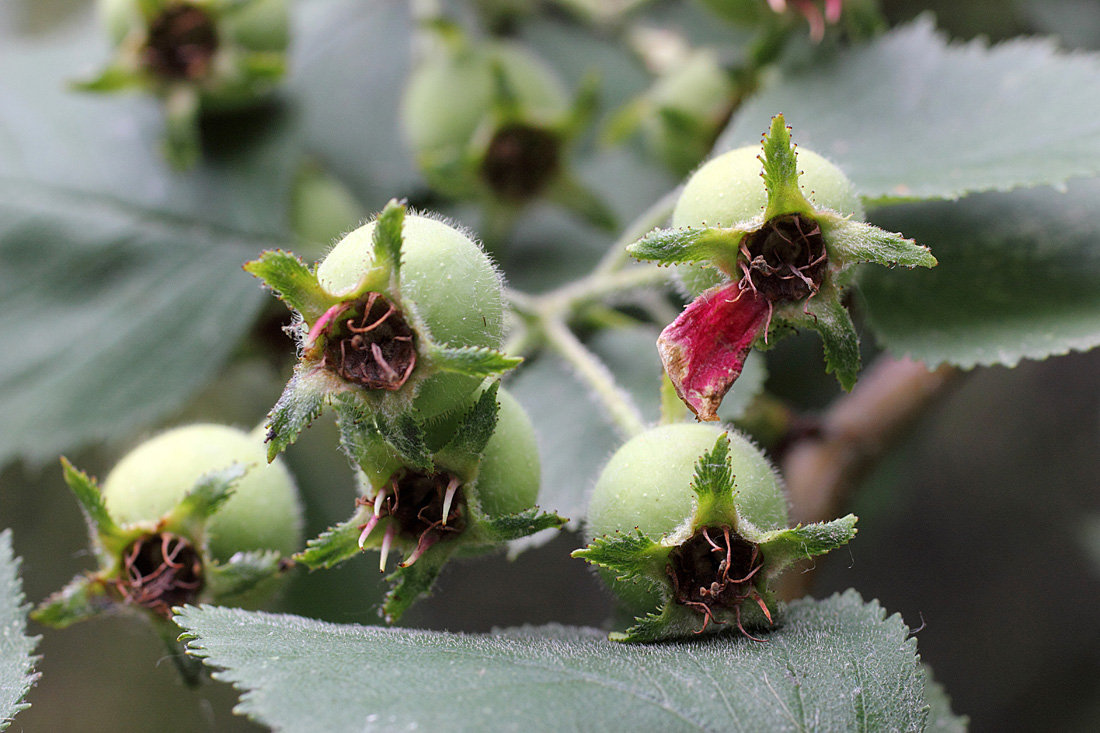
{"x": 263, "y": 513}
{"x": 647, "y": 485}
{"x": 509, "y": 475}
{"x": 729, "y": 189}
{"x": 449, "y": 284}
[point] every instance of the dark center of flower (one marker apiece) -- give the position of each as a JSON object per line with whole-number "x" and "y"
{"x": 715, "y": 570}
{"x": 160, "y": 571}
{"x": 520, "y": 161}
{"x": 372, "y": 345}
{"x": 425, "y": 508}
{"x": 181, "y": 44}
{"x": 786, "y": 259}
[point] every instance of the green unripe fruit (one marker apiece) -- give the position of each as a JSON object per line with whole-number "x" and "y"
{"x": 509, "y": 475}
{"x": 447, "y": 283}
{"x": 262, "y": 514}
{"x": 647, "y": 485}
{"x": 729, "y": 189}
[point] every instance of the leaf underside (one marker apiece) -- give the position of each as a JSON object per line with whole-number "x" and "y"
{"x": 836, "y": 664}
{"x": 16, "y": 648}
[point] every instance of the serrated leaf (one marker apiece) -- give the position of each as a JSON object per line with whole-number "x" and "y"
{"x": 332, "y": 547}
{"x": 836, "y": 664}
{"x": 972, "y": 117}
{"x": 1019, "y": 278}
{"x": 473, "y": 361}
{"x": 825, "y": 314}
{"x": 301, "y": 403}
{"x": 388, "y": 238}
{"x": 674, "y": 246}
{"x": 713, "y": 484}
{"x": 242, "y": 573}
{"x": 16, "y": 648}
{"x": 784, "y": 546}
{"x": 153, "y": 301}
{"x": 293, "y": 282}
{"x": 508, "y": 527}
{"x": 781, "y": 173}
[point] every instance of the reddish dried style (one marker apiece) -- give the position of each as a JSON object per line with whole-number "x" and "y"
{"x": 425, "y": 507}
{"x": 371, "y": 344}
{"x": 160, "y": 571}
{"x": 712, "y": 573}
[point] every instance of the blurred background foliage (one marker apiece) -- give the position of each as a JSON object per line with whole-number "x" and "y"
{"x": 980, "y": 527}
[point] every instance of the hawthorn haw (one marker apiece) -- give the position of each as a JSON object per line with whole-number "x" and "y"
{"x": 689, "y": 524}
{"x": 465, "y": 485}
{"x": 399, "y": 324}
{"x": 195, "y": 514}
{"x": 780, "y": 257}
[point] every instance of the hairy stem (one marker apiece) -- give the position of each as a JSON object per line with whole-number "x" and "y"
{"x": 618, "y": 403}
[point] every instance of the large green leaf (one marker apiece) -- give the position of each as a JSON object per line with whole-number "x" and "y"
{"x": 16, "y": 648}
{"x": 836, "y": 665}
{"x": 1019, "y": 278}
{"x": 120, "y": 279}
{"x": 910, "y": 116}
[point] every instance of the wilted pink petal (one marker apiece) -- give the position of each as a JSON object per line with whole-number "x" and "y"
{"x": 705, "y": 348}
{"x": 813, "y": 16}
{"x": 832, "y": 10}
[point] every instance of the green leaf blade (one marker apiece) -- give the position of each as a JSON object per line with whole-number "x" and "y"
{"x": 16, "y": 648}
{"x": 973, "y": 117}
{"x": 836, "y": 664}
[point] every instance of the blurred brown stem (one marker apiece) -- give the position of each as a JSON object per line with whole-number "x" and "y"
{"x": 821, "y": 469}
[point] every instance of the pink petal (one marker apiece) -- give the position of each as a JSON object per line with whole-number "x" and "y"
{"x": 705, "y": 348}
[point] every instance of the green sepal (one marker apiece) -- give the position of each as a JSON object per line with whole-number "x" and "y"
{"x": 366, "y": 446}
{"x": 713, "y": 485}
{"x": 182, "y": 144}
{"x": 473, "y": 361}
{"x": 301, "y": 403}
{"x": 241, "y": 574}
{"x": 262, "y": 67}
{"x": 150, "y": 9}
{"x": 651, "y": 627}
{"x": 332, "y": 547}
{"x": 569, "y": 193}
{"x": 409, "y": 583}
{"x": 510, "y": 527}
{"x": 624, "y": 122}
{"x": 105, "y": 533}
{"x": 462, "y": 453}
{"x": 405, "y": 435}
{"x": 387, "y": 238}
{"x": 82, "y": 598}
{"x": 782, "y": 547}
{"x": 114, "y": 78}
{"x": 825, "y": 314}
{"x": 781, "y": 174}
{"x": 293, "y": 283}
{"x": 631, "y": 556}
{"x": 208, "y": 495}
{"x": 852, "y": 242}
{"x": 190, "y": 668}
{"x": 506, "y": 105}
{"x": 716, "y": 245}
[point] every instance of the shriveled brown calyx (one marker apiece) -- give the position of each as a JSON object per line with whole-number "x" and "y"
{"x": 716, "y": 571}
{"x": 159, "y": 571}
{"x": 371, "y": 344}
{"x": 181, "y": 43}
{"x": 520, "y": 161}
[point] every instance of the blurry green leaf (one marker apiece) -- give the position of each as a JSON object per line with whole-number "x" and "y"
{"x": 910, "y": 116}
{"x": 940, "y": 717}
{"x": 1019, "y": 278}
{"x": 120, "y": 279}
{"x": 836, "y": 664}
{"x": 16, "y": 648}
